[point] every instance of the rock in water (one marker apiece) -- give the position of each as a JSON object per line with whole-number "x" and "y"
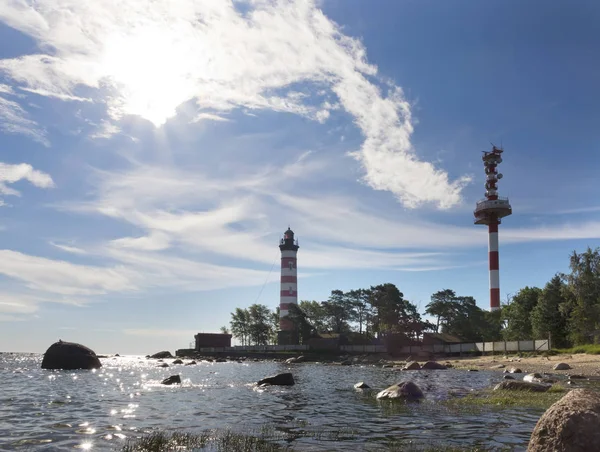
{"x": 177, "y": 361}
{"x": 173, "y": 379}
{"x": 514, "y": 385}
{"x": 70, "y": 356}
{"x": 161, "y": 355}
{"x": 562, "y": 366}
{"x": 404, "y": 390}
{"x": 295, "y": 359}
{"x": 433, "y": 365}
{"x": 286, "y": 379}
{"x": 413, "y": 365}
{"x": 361, "y": 385}
{"x": 570, "y": 425}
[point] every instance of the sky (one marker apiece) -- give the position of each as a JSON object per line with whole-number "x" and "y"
{"x": 153, "y": 154}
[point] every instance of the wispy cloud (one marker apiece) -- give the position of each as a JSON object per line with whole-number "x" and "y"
{"x": 209, "y": 117}
{"x": 226, "y": 59}
{"x": 14, "y": 119}
{"x": 65, "y": 278}
{"x": 68, "y": 248}
{"x": 9, "y": 174}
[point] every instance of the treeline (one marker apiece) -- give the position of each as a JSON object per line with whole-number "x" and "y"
{"x": 567, "y": 309}
{"x": 367, "y": 314}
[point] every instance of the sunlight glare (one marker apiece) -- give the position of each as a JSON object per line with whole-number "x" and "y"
{"x": 151, "y": 67}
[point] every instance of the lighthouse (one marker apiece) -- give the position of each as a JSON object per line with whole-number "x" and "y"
{"x": 289, "y": 287}
{"x": 490, "y": 211}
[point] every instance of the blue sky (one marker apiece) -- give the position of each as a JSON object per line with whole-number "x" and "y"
{"x": 150, "y": 159}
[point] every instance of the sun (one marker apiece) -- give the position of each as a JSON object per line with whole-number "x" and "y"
{"x": 152, "y": 69}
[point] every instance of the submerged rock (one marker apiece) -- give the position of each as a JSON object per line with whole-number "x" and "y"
{"x": 508, "y": 377}
{"x": 162, "y": 355}
{"x": 295, "y": 359}
{"x": 70, "y": 356}
{"x": 571, "y": 425}
{"x": 514, "y": 385}
{"x": 538, "y": 378}
{"x": 361, "y": 385}
{"x": 413, "y": 365}
{"x": 404, "y": 390}
{"x": 163, "y": 365}
{"x": 173, "y": 379}
{"x": 191, "y": 363}
{"x": 177, "y": 361}
{"x": 562, "y": 366}
{"x": 433, "y": 365}
{"x": 285, "y": 379}
{"x": 220, "y": 360}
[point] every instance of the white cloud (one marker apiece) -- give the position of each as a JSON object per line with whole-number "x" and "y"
{"x": 68, "y": 248}
{"x": 156, "y": 241}
{"x": 9, "y": 174}
{"x": 65, "y": 278}
{"x": 209, "y": 117}
{"x": 148, "y": 61}
{"x": 106, "y": 129}
{"x": 14, "y": 119}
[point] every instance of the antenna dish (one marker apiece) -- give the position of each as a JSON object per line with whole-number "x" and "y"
{"x": 500, "y": 176}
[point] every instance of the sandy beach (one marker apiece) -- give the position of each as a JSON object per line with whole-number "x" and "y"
{"x": 581, "y": 364}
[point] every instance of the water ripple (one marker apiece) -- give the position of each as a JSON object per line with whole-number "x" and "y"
{"x": 98, "y": 410}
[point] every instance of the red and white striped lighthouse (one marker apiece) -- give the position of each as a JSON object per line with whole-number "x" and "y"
{"x": 490, "y": 211}
{"x": 289, "y": 285}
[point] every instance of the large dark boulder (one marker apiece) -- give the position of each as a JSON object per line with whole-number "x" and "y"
{"x": 406, "y": 390}
{"x": 285, "y": 379}
{"x": 173, "y": 379}
{"x": 162, "y": 355}
{"x": 70, "y": 356}
{"x": 412, "y": 365}
{"x": 570, "y": 425}
{"x": 433, "y": 365}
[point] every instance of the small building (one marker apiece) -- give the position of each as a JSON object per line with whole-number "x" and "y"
{"x": 204, "y": 340}
{"x": 440, "y": 339}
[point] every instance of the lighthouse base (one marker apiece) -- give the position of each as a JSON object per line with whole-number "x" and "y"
{"x": 288, "y": 337}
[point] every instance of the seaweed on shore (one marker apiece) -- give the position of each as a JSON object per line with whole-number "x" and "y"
{"x": 508, "y": 398}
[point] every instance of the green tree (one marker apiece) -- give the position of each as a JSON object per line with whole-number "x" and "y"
{"x": 583, "y": 297}
{"x": 315, "y": 315}
{"x": 302, "y": 326}
{"x": 547, "y": 317}
{"x": 359, "y": 300}
{"x": 392, "y": 313}
{"x": 240, "y": 325}
{"x": 441, "y": 306}
{"x": 338, "y": 311}
{"x": 260, "y": 329}
{"x": 517, "y": 314}
{"x": 224, "y": 330}
{"x": 274, "y": 318}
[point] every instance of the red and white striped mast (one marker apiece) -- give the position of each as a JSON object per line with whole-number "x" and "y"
{"x": 289, "y": 286}
{"x": 490, "y": 211}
